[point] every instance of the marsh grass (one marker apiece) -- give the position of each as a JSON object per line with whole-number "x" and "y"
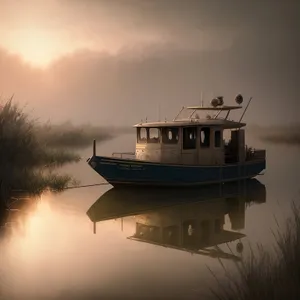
{"x": 38, "y": 181}
{"x": 266, "y": 275}
{"x": 26, "y": 161}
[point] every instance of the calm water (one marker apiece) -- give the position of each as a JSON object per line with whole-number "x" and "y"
{"x": 54, "y": 251}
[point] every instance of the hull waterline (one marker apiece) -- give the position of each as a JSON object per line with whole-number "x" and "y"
{"x": 126, "y": 172}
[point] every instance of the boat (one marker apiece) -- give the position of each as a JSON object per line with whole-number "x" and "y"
{"x": 191, "y": 220}
{"x": 187, "y": 151}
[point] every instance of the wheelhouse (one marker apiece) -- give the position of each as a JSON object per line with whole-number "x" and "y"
{"x": 193, "y": 141}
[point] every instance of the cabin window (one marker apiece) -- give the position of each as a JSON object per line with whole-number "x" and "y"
{"x": 170, "y": 135}
{"x": 153, "y": 135}
{"x": 205, "y": 137}
{"x": 142, "y": 135}
{"x": 189, "y": 233}
{"x": 217, "y": 138}
{"x": 189, "y": 137}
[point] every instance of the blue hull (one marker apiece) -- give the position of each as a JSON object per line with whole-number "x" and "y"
{"x": 134, "y": 172}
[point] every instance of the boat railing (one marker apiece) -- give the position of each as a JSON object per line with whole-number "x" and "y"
{"x": 121, "y": 154}
{"x": 255, "y": 154}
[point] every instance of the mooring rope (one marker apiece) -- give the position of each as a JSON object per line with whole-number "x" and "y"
{"x": 87, "y": 185}
{"x": 66, "y": 188}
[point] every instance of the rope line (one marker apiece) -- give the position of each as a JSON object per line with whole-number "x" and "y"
{"x": 87, "y": 185}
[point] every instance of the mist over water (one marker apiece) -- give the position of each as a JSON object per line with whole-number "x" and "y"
{"x": 53, "y": 253}
{"x": 67, "y": 135}
{"x": 91, "y": 69}
{"x": 288, "y": 135}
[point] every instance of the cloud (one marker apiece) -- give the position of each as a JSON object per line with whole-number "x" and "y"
{"x": 138, "y": 25}
{"x": 248, "y": 48}
{"x": 112, "y": 25}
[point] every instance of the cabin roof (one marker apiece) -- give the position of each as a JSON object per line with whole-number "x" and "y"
{"x": 226, "y": 124}
{"x": 218, "y": 108}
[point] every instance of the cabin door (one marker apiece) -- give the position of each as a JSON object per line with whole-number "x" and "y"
{"x": 235, "y": 149}
{"x": 189, "y": 145}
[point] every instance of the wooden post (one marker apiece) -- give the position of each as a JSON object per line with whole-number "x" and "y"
{"x": 94, "y": 148}
{"x": 94, "y": 227}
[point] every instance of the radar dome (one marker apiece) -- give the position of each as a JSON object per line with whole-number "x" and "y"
{"x": 239, "y": 99}
{"x": 214, "y": 102}
{"x": 220, "y": 101}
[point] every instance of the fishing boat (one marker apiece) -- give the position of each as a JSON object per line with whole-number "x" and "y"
{"x": 187, "y": 151}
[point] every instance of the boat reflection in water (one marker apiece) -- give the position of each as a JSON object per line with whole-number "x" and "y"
{"x": 188, "y": 220}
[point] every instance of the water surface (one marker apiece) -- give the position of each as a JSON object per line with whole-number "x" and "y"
{"x": 77, "y": 245}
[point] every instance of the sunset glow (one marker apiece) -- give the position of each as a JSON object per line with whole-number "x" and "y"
{"x": 37, "y": 47}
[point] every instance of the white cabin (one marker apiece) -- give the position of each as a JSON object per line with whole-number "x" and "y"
{"x": 193, "y": 140}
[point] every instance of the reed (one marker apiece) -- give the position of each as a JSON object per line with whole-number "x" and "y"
{"x": 265, "y": 275}
{"x": 26, "y": 161}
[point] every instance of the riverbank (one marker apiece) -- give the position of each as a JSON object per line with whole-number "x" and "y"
{"x": 32, "y": 154}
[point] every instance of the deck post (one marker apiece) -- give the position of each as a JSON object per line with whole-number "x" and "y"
{"x": 94, "y": 148}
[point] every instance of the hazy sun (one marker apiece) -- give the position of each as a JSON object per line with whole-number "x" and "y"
{"x": 36, "y": 47}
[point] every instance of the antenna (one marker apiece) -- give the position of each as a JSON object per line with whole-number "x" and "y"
{"x": 245, "y": 109}
{"x": 159, "y": 112}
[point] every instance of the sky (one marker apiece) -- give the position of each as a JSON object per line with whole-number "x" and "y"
{"x": 114, "y": 62}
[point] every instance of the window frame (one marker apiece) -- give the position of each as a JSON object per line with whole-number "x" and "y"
{"x": 164, "y": 135}
{"x": 151, "y": 140}
{"x": 204, "y": 145}
{"x": 195, "y": 131}
{"x": 139, "y": 139}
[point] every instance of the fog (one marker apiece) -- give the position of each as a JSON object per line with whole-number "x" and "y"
{"x": 118, "y": 61}
{"x": 288, "y": 135}
{"x": 67, "y": 135}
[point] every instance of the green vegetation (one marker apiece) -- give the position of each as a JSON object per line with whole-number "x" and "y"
{"x": 265, "y": 275}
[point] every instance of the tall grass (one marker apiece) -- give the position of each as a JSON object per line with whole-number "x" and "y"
{"x": 268, "y": 276}
{"x": 26, "y": 162}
